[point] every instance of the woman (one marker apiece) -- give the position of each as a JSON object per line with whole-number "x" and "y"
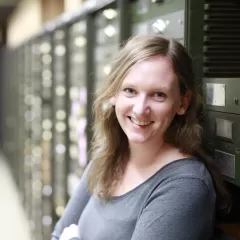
{"x": 147, "y": 179}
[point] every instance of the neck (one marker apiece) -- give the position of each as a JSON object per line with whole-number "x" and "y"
{"x": 144, "y": 155}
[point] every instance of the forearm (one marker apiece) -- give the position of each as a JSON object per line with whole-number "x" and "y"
{"x": 74, "y": 207}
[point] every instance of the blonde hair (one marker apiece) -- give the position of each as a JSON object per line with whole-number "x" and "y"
{"x": 110, "y": 144}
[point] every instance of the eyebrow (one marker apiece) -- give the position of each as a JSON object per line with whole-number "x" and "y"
{"x": 162, "y": 88}
{"x": 128, "y": 85}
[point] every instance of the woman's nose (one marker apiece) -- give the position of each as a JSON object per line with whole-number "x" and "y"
{"x": 141, "y": 107}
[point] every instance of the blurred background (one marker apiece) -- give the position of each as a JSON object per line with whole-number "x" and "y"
{"x": 54, "y": 53}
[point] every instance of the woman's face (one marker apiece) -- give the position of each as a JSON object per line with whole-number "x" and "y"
{"x": 148, "y": 100}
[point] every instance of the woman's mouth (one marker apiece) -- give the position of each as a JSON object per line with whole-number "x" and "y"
{"x": 140, "y": 122}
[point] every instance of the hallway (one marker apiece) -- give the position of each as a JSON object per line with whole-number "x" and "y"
{"x": 13, "y": 223}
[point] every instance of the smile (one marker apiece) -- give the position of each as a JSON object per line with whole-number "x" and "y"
{"x": 140, "y": 123}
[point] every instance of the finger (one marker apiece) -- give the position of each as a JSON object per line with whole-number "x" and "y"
{"x": 69, "y": 232}
{"x": 74, "y": 229}
{"x": 65, "y": 234}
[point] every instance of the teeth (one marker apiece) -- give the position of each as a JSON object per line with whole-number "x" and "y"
{"x": 140, "y": 122}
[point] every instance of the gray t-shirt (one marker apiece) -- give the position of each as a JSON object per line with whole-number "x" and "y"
{"x": 176, "y": 203}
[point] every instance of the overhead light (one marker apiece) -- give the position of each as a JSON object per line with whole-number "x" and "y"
{"x": 80, "y": 41}
{"x": 60, "y": 115}
{"x": 47, "y": 135}
{"x": 159, "y": 26}
{"x": 60, "y": 50}
{"x": 45, "y": 47}
{"x": 60, "y": 127}
{"x": 47, "y": 124}
{"x": 60, "y": 148}
{"x": 60, "y": 91}
{"x": 110, "y": 31}
{"x": 110, "y": 13}
{"x": 107, "y": 69}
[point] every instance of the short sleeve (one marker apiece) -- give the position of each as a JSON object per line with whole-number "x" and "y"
{"x": 181, "y": 209}
{"x": 74, "y": 207}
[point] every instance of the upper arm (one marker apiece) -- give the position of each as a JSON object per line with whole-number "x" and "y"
{"x": 74, "y": 207}
{"x": 182, "y": 209}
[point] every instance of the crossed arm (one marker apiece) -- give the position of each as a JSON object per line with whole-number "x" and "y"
{"x": 74, "y": 208}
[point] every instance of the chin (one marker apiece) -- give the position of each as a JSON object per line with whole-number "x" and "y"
{"x": 137, "y": 139}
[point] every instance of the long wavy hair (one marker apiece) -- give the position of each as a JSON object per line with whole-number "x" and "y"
{"x": 110, "y": 144}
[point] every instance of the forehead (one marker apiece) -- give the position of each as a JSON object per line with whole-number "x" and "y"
{"x": 154, "y": 72}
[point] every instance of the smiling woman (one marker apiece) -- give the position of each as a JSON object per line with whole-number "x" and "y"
{"x": 148, "y": 178}
{"x": 149, "y": 97}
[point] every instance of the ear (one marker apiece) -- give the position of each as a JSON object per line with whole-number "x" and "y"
{"x": 185, "y": 101}
{"x": 113, "y": 100}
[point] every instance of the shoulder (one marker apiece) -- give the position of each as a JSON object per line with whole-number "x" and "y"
{"x": 181, "y": 204}
{"x": 183, "y": 184}
{"x": 191, "y": 170}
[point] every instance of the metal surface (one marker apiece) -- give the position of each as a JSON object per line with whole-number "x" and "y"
{"x": 215, "y": 94}
{"x": 106, "y": 42}
{"x": 124, "y": 18}
{"x": 90, "y": 76}
{"x": 21, "y": 132}
{"x": 169, "y": 25}
{"x": 222, "y": 131}
{"x": 221, "y": 93}
{"x": 36, "y": 113}
{"x": 47, "y": 134}
{"x": 226, "y": 163}
{"x": 193, "y": 38}
{"x": 60, "y": 135}
{"x": 77, "y": 105}
{"x": 87, "y": 7}
{"x": 224, "y": 128}
{"x": 220, "y": 71}
{"x": 165, "y": 19}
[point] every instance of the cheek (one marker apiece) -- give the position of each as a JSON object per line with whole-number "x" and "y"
{"x": 166, "y": 111}
{"x": 121, "y": 108}
{"x": 165, "y": 117}
{"x": 123, "y": 104}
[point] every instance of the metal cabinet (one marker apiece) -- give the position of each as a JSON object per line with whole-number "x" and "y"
{"x": 9, "y": 97}
{"x": 36, "y": 134}
{"x": 46, "y": 134}
{"x": 165, "y": 18}
{"x": 59, "y": 130}
{"x": 20, "y": 140}
{"x": 221, "y": 75}
{"x": 28, "y": 145}
{"x": 9, "y": 120}
{"x": 107, "y": 41}
{"x": 77, "y": 108}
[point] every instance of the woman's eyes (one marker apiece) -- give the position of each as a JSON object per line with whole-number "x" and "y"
{"x": 156, "y": 95}
{"x": 129, "y": 91}
{"x": 159, "y": 95}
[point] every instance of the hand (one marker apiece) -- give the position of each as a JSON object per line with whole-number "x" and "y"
{"x": 69, "y": 232}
